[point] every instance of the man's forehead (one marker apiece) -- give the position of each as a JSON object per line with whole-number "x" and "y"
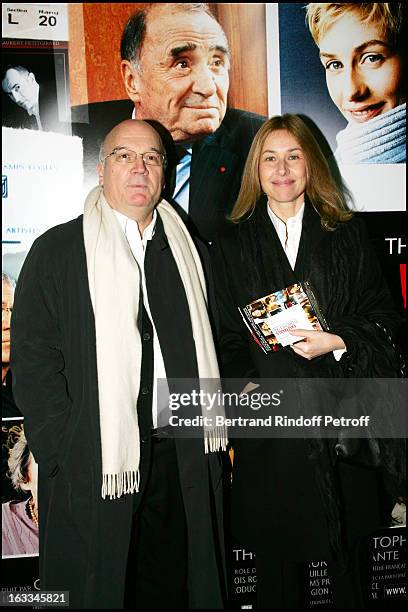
{"x": 132, "y": 132}
{"x": 167, "y": 27}
{"x": 13, "y": 77}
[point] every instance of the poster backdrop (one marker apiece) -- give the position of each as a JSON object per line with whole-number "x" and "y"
{"x": 58, "y": 65}
{"x": 42, "y": 186}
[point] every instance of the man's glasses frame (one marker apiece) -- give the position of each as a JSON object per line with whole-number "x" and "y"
{"x": 124, "y": 155}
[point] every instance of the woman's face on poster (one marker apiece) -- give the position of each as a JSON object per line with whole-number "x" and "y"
{"x": 363, "y": 72}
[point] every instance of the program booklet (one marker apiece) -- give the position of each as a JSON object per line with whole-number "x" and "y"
{"x": 270, "y": 318}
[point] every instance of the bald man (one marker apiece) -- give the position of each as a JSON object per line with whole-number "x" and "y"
{"x": 128, "y": 518}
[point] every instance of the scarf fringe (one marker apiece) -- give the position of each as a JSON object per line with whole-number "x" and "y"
{"x": 116, "y": 485}
{"x": 215, "y": 439}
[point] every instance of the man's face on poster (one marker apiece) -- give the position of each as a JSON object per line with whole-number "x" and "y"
{"x": 22, "y": 88}
{"x": 363, "y": 72}
{"x": 6, "y": 310}
{"x": 183, "y": 78}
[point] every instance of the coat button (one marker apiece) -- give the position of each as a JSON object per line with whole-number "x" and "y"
{"x": 146, "y": 336}
{"x": 145, "y": 390}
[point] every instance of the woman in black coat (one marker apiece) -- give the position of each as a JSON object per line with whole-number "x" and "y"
{"x": 293, "y": 501}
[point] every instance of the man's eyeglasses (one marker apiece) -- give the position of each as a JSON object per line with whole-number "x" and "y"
{"x": 121, "y": 155}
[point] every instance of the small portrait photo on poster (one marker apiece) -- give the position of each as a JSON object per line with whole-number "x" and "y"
{"x": 19, "y": 497}
{"x": 35, "y": 89}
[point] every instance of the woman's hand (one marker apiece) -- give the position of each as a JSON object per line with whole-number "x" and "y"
{"x": 316, "y": 343}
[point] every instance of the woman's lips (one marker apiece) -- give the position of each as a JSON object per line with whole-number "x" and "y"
{"x": 365, "y": 113}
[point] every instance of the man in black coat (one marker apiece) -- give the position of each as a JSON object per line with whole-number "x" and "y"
{"x": 127, "y": 517}
{"x": 175, "y": 67}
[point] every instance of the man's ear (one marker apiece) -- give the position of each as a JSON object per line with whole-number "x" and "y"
{"x": 131, "y": 80}
{"x": 100, "y": 173}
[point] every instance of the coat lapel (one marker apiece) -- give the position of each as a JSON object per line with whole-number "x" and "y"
{"x": 214, "y": 176}
{"x": 312, "y": 234}
{"x": 277, "y": 269}
{"x": 216, "y": 166}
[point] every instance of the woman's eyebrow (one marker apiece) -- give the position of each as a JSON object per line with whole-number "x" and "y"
{"x": 360, "y": 48}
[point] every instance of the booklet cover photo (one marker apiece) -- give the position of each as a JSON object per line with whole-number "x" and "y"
{"x": 271, "y": 318}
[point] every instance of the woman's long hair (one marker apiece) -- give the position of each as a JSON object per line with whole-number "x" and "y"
{"x": 323, "y": 192}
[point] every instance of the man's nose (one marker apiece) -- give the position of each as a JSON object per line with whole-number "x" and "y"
{"x": 204, "y": 81}
{"x": 138, "y": 165}
{"x": 15, "y": 96}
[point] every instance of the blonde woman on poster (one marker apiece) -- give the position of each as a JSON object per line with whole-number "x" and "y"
{"x": 361, "y": 47}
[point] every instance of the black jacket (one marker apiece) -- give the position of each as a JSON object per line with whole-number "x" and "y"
{"x": 301, "y": 504}
{"x": 84, "y": 539}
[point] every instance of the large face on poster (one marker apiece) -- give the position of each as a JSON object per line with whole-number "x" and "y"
{"x": 175, "y": 67}
{"x": 355, "y": 89}
{"x": 181, "y": 77}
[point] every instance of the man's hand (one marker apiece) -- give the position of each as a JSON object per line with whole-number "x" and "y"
{"x": 316, "y": 343}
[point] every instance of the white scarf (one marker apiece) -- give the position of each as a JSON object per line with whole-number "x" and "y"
{"x": 114, "y": 285}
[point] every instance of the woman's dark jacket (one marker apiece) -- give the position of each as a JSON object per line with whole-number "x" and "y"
{"x": 301, "y": 503}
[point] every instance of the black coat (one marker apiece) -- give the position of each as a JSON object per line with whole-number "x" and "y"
{"x": 216, "y": 167}
{"x": 280, "y": 499}
{"x": 84, "y": 539}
